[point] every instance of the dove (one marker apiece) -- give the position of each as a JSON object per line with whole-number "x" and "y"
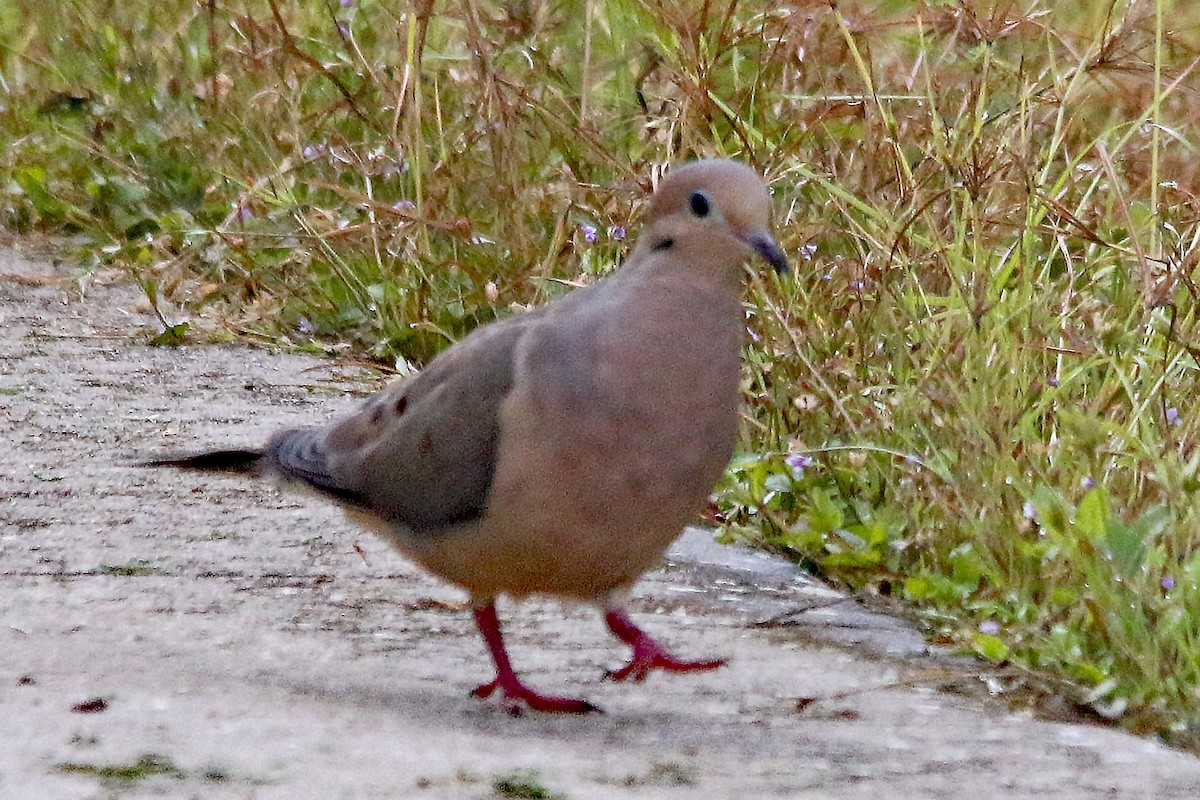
{"x": 559, "y": 451}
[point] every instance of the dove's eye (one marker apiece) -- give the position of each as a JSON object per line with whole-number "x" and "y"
{"x": 699, "y": 204}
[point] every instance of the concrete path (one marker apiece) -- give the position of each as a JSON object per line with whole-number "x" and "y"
{"x": 176, "y": 636}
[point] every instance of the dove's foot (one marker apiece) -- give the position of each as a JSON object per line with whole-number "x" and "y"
{"x": 648, "y": 654}
{"x": 516, "y": 697}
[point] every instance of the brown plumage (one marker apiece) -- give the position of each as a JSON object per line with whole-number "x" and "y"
{"x": 560, "y": 451}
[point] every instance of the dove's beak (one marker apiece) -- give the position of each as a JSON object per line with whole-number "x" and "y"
{"x": 768, "y": 249}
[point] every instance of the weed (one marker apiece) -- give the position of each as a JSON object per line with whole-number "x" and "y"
{"x": 134, "y": 569}
{"x": 147, "y": 766}
{"x": 525, "y": 785}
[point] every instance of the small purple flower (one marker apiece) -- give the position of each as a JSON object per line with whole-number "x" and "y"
{"x": 345, "y": 3}
{"x": 1028, "y": 510}
{"x": 590, "y": 234}
{"x": 404, "y": 206}
{"x": 807, "y": 251}
{"x": 1053, "y": 380}
{"x": 1173, "y": 416}
{"x": 343, "y": 29}
{"x": 1088, "y": 482}
{"x": 305, "y": 326}
{"x": 990, "y": 627}
{"x": 798, "y": 462}
{"x": 1167, "y": 582}
{"x": 616, "y": 232}
{"x": 242, "y": 214}
{"x": 857, "y": 286}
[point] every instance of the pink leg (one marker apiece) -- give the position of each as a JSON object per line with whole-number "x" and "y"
{"x": 648, "y": 655}
{"x": 514, "y": 694}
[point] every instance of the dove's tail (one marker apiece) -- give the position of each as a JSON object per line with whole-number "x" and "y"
{"x": 233, "y": 461}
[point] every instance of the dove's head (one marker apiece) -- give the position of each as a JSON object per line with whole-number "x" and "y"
{"x": 722, "y": 203}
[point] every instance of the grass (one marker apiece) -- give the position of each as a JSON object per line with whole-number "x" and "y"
{"x": 134, "y": 569}
{"x": 523, "y": 784}
{"x": 973, "y": 398}
{"x": 147, "y": 766}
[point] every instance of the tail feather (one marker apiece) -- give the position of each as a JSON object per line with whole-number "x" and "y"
{"x": 232, "y": 461}
{"x": 297, "y": 454}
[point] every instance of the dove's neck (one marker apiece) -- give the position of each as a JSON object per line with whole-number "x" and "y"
{"x": 703, "y": 262}
{"x": 689, "y": 294}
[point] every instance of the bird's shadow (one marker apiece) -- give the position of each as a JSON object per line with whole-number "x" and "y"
{"x": 446, "y": 707}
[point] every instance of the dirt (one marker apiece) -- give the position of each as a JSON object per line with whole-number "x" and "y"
{"x": 178, "y": 636}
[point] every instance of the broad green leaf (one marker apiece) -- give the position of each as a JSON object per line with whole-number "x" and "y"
{"x": 1092, "y": 515}
{"x": 990, "y": 647}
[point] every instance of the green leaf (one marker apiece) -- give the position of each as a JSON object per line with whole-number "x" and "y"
{"x": 778, "y": 482}
{"x": 1092, "y": 515}
{"x": 33, "y": 183}
{"x": 171, "y": 337}
{"x": 1126, "y": 545}
{"x": 826, "y": 514}
{"x": 1051, "y": 509}
{"x": 1127, "y": 541}
{"x": 1154, "y": 521}
{"x": 967, "y": 566}
{"x": 918, "y": 588}
{"x": 1063, "y": 596}
{"x": 853, "y": 559}
{"x": 993, "y": 648}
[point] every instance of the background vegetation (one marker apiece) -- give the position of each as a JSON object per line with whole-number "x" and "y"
{"x": 975, "y": 396}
